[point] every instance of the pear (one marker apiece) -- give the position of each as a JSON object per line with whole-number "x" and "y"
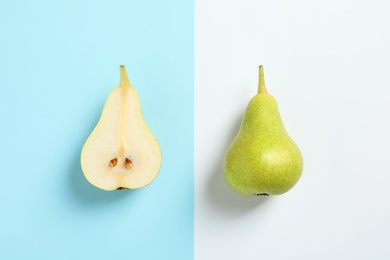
{"x": 121, "y": 152}
{"x": 262, "y": 159}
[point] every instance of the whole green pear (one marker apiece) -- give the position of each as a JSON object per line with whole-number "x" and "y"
{"x": 262, "y": 159}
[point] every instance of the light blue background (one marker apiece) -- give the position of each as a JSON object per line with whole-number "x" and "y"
{"x": 58, "y": 62}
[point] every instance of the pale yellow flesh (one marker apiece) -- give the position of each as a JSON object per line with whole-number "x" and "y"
{"x": 121, "y": 133}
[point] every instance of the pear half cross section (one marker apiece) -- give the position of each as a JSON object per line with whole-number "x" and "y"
{"x": 262, "y": 160}
{"x": 121, "y": 152}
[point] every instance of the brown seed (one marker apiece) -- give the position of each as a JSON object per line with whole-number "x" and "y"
{"x": 128, "y": 163}
{"x": 113, "y": 162}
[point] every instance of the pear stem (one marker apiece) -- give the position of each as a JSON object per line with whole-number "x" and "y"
{"x": 124, "y": 80}
{"x": 261, "y": 87}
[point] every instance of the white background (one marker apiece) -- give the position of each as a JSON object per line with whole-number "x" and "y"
{"x": 327, "y": 63}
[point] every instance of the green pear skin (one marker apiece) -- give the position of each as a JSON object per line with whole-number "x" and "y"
{"x": 262, "y": 159}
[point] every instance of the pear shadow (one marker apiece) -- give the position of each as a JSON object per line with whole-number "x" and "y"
{"x": 221, "y": 195}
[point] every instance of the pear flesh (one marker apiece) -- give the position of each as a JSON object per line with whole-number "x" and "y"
{"x": 121, "y": 152}
{"x": 262, "y": 159}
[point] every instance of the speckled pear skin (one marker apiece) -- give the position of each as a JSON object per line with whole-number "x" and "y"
{"x": 262, "y": 159}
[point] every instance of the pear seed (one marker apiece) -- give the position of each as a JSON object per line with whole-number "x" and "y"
{"x": 128, "y": 163}
{"x": 113, "y": 162}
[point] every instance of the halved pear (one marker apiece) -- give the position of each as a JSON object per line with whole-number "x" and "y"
{"x": 121, "y": 152}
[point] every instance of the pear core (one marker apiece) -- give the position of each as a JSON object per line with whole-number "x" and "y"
{"x": 262, "y": 160}
{"x": 121, "y": 152}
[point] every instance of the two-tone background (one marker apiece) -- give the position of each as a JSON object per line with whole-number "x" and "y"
{"x": 194, "y": 65}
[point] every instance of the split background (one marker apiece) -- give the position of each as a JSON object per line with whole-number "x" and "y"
{"x": 195, "y": 68}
